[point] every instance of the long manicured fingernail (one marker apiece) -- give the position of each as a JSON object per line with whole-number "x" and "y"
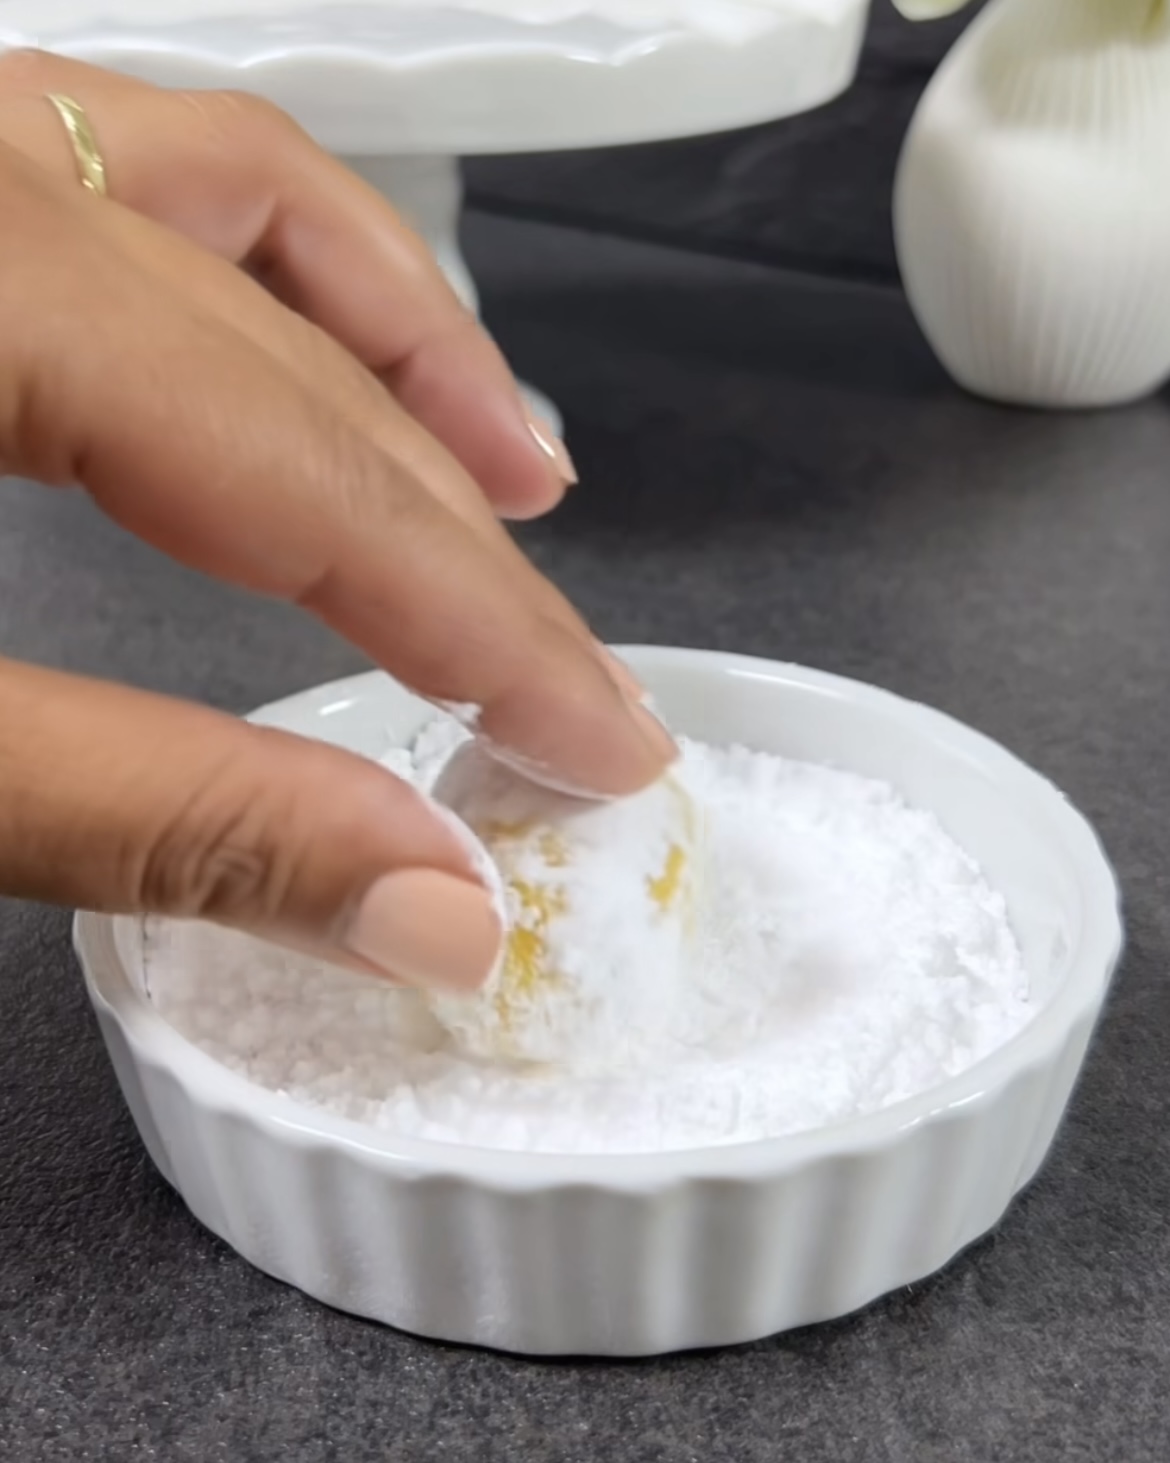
{"x": 552, "y": 447}
{"x": 428, "y": 930}
{"x": 663, "y": 744}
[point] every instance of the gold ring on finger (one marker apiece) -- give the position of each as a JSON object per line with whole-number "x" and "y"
{"x": 90, "y": 163}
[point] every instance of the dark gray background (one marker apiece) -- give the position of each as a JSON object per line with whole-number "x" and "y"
{"x": 811, "y": 193}
{"x": 770, "y": 464}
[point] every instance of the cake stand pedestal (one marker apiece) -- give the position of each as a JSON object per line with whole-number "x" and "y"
{"x": 402, "y": 93}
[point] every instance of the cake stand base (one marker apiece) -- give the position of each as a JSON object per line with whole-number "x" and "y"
{"x": 428, "y": 193}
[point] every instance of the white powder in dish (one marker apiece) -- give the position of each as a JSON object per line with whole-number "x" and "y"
{"x": 848, "y": 954}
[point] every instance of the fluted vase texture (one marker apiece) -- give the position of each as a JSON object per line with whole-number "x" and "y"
{"x": 1032, "y": 201}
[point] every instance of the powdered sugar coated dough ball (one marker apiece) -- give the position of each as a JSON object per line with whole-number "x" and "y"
{"x": 601, "y": 904}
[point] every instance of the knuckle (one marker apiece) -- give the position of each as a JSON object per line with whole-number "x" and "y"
{"x": 229, "y": 852}
{"x": 324, "y": 360}
{"x": 371, "y": 499}
{"x": 244, "y": 120}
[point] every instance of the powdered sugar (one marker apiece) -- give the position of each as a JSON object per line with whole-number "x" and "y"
{"x": 845, "y": 954}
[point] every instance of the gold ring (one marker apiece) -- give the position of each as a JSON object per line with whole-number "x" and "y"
{"x": 90, "y": 163}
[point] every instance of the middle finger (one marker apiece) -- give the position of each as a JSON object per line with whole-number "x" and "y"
{"x": 343, "y": 383}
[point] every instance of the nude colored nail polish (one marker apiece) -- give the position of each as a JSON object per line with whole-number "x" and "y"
{"x": 428, "y": 930}
{"x": 552, "y": 447}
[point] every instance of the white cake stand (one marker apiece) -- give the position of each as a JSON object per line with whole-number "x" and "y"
{"x": 402, "y": 92}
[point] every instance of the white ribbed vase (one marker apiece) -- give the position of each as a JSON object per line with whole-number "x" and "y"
{"x": 1032, "y": 203}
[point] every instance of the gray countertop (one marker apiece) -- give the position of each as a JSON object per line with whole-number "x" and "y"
{"x": 771, "y": 467}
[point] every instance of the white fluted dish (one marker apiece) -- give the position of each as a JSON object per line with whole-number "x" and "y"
{"x": 370, "y": 79}
{"x": 635, "y": 1255}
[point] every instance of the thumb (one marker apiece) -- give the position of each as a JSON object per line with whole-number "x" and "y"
{"x": 120, "y": 801}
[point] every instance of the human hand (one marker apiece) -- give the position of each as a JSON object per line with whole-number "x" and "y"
{"x": 242, "y": 438}
{"x": 237, "y": 177}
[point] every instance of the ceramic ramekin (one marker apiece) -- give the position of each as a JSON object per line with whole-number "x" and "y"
{"x": 627, "y": 1256}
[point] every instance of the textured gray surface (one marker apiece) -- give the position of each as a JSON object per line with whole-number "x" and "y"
{"x": 768, "y": 469}
{"x": 811, "y": 192}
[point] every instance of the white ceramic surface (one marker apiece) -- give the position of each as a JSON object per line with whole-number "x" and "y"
{"x": 624, "y": 1256}
{"x": 1032, "y": 208}
{"x": 370, "y": 79}
{"x": 402, "y": 92}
